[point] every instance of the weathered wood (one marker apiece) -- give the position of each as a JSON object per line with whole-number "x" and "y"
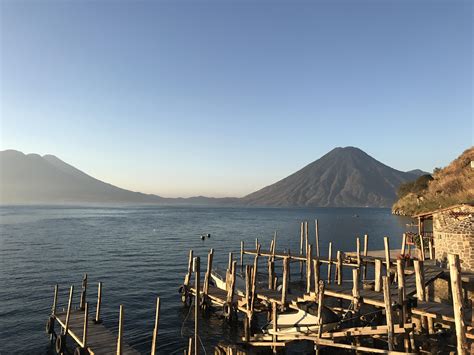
{"x": 55, "y": 300}
{"x": 401, "y": 292}
{"x": 366, "y": 251}
{"x": 85, "y": 328}
{"x": 83, "y": 293}
{"x": 320, "y": 307}
{"x": 456, "y": 289}
{"x": 155, "y": 329}
{"x": 356, "y": 289}
{"x": 99, "y": 303}
{"x": 420, "y": 279}
{"x": 284, "y": 291}
{"x": 339, "y": 267}
{"x": 308, "y": 269}
{"x": 301, "y": 246}
{"x": 187, "y": 277}
{"x": 422, "y": 247}
{"x": 190, "y": 346}
{"x": 197, "y": 271}
{"x": 207, "y": 276}
{"x": 329, "y": 262}
{"x": 387, "y": 255}
{"x": 358, "y": 251}
{"x": 69, "y": 308}
{"x": 431, "y": 249}
{"x": 404, "y": 244}
{"x": 378, "y": 275}
{"x": 275, "y": 324}
{"x": 242, "y": 253}
{"x": 317, "y": 237}
{"x": 306, "y": 236}
{"x": 365, "y": 331}
{"x": 317, "y": 274}
{"x": 232, "y": 275}
{"x": 388, "y": 311}
{"x": 120, "y": 332}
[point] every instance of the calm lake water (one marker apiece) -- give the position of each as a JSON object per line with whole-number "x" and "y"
{"x": 140, "y": 253}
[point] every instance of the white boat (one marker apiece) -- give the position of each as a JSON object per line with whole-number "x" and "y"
{"x": 218, "y": 276}
{"x": 304, "y": 320}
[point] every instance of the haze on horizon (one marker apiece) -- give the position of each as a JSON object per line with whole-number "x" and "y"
{"x": 219, "y": 98}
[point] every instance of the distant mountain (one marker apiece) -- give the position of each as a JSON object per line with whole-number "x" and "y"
{"x": 33, "y": 179}
{"x": 418, "y": 172}
{"x": 344, "y": 177}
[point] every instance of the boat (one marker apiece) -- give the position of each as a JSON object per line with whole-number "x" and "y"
{"x": 218, "y": 277}
{"x": 304, "y": 320}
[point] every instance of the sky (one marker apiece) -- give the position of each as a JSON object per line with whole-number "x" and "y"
{"x": 221, "y": 98}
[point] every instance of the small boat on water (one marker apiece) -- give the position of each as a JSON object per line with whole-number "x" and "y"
{"x": 218, "y": 277}
{"x": 304, "y": 320}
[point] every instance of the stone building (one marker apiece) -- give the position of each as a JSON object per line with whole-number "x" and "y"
{"x": 452, "y": 230}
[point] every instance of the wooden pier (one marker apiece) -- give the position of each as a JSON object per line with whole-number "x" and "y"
{"x": 397, "y": 293}
{"x": 88, "y": 333}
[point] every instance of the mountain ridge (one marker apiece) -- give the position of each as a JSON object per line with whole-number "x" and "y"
{"x": 344, "y": 177}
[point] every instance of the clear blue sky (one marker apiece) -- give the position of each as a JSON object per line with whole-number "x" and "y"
{"x": 224, "y": 97}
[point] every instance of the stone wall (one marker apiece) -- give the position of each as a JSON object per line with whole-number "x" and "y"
{"x": 453, "y": 233}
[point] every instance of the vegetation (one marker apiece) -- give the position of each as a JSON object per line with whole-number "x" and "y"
{"x": 448, "y": 186}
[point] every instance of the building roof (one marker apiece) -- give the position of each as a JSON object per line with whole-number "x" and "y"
{"x": 431, "y": 213}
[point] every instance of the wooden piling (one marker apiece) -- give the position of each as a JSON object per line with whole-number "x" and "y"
{"x": 69, "y": 309}
{"x": 197, "y": 271}
{"x": 358, "y": 252}
{"x": 355, "y": 288}
{"x": 207, "y": 277}
{"x": 402, "y": 298}
{"x": 187, "y": 278}
{"x": 378, "y": 275}
{"x": 55, "y": 300}
{"x": 404, "y": 244}
{"x": 83, "y": 293}
{"x": 431, "y": 249}
{"x": 317, "y": 275}
{"x": 309, "y": 266}
{"x": 190, "y": 346}
{"x": 456, "y": 289}
{"x": 419, "y": 279}
{"x": 242, "y": 253}
{"x": 120, "y": 331}
{"x": 320, "y": 307}
{"x": 306, "y": 236}
{"x": 329, "y": 262}
{"x": 99, "y": 303}
{"x": 388, "y": 311}
{"x": 339, "y": 267}
{"x": 284, "y": 291}
{"x": 301, "y": 246}
{"x": 155, "y": 329}
{"x": 422, "y": 247}
{"x": 86, "y": 322}
{"x": 366, "y": 252}
{"x": 275, "y": 326}
{"x": 231, "y": 288}
{"x": 387, "y": 255}
{"x": 317, "y": 237}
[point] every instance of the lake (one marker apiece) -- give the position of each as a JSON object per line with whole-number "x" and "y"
{"x": 140, "y": 253}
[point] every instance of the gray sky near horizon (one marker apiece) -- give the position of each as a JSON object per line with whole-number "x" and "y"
{"x": 221, "y": 98}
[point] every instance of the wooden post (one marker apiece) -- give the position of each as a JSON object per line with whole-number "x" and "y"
{"x": 366, "y": 252}
{"x": 355, "y": 288}
{"x": 320, "y": 307}
{"x": 358, "y": 252}
{"x": 317, "y": 275}
{"x": 99, "y": 302}
{"x": 306, "y": 236}
{"x": 197, "y": 270}
{"x": 401, "y": 292}
{"x": 248, "y": 314}
{"x": 308, "y": 269}
{"x": 456, "y": 289}
{"x": 253, "y": 281}
{"x": 155, "y": 329}
{"x": 430, "y": 246}
{"x": 387, "y": 255}
{"x": 388, "y": 311}
{"x": 422, "y": 248}
{"x": 83, "y": 293}
{"x": 378, "y": 275}
{"x": 404, "y": 244}
{"x": 207, "y": 277}
{"x": 339, "y": 267}
{"x": 301, "y": 246}
{"x": 329, "y": 262}
{"x": 86, "y": 322}
{"x": 256, "y": 243}
{"x": 242, "y": 253}
{"x": 275, "y": 326}
{"x": 187, "y": 278}
{"x": 317, "y": 238}
{"x": 190, "y": 346}
{"x": 419, "y": 279}
{"x": 284, "y": 290}
{"x": 120, "y": 332}
{"x": 55, "y": 300}
{"x": 69, "y": 308}
{"x": 231, "y": 291}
